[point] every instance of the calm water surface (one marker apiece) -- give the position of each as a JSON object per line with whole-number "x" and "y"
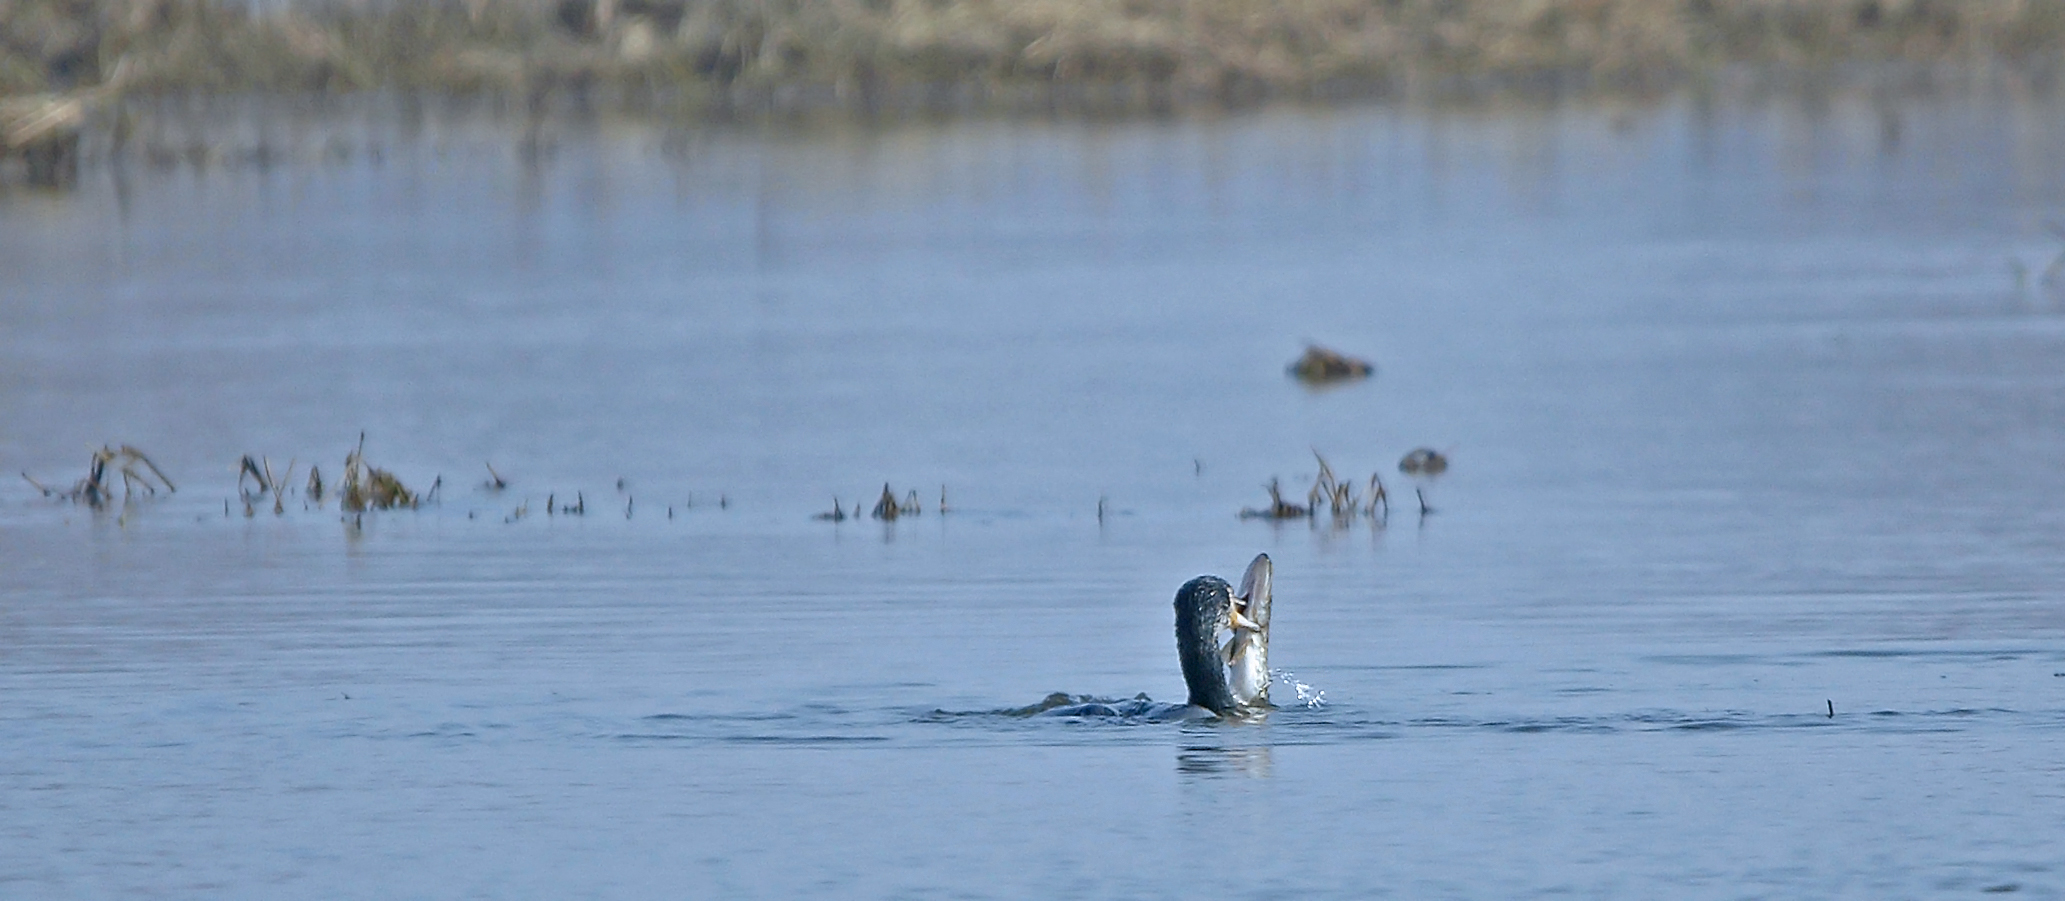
{"x": 1750, "y": 415}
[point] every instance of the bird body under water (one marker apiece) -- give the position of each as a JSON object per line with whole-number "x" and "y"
{"x": 1233, "y": 677}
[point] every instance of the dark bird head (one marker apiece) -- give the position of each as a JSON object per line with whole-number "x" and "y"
{"x": 1204, "y": 608}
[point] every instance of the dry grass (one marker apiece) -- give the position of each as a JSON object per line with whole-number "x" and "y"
{"x": 864, "y": 53}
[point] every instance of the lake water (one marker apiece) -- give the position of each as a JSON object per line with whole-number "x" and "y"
{"x": 1755, "y": 409}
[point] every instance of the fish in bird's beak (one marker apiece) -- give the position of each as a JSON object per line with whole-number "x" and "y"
{"x": 1233, "y": 677}
{"x": 1247, "y": 654}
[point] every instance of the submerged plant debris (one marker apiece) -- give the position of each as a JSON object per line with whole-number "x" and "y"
{"x": 1278, "y": 507}
{"x": 259, "y": 471}
{"x": 97, "y": 489}
{"x": 1338, "y": 496}
{"x": 368, "y": 487}
{"x": 888, "y": 508}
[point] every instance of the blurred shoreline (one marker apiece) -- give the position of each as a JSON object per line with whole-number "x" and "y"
{"x": 748, "y": 57}
{"x": 73, "y": 68}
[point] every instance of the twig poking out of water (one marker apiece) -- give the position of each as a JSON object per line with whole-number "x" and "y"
{"x": 1831, "y": 708}
{"x": 279, "y": 493}
{"x": 942, "y": 500}
{"x": 1278, "y": 507}
{"x": 1322, "y": 366}
{"x": 368, "y": 487}
{"x": 910, "y": 504}
{"x": 1100, "y": 509}
{"x": 1379, "y": 500}
{"x": 1423, "y": 463}
{"x": 836, "y": 514}
{"x": 97, "y": 489}
{"x": 260, "y": 472}
{"x": 495, "y": 481}
{"x": 251, "y": 469}
{"x": 315, "y": 485}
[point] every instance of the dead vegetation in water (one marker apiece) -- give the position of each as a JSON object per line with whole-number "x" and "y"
{"x": 739, "y": 55}
{"x": 1278, "y": 507}
{"x": 259, "y": 472}
{"x": 889, "y": 509}
{"x": 97, "y": 489}
{"x": 1331, "y": 496}
{"x": 366, "y": 487}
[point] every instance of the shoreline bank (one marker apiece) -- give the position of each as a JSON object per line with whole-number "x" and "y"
{"x": 720, "y": 55}
{"x": 70, "y": 67}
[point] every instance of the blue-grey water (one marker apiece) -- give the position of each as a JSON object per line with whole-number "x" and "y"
{"x": 1756, "y": 410}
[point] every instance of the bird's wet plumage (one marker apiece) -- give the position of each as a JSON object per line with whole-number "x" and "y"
{"x": 1233, "y": 677}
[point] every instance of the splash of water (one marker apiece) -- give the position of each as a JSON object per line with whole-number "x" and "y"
{"x": 1312, "y": 698}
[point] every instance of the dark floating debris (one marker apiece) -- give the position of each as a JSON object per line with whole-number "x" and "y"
{"x": 97, "y": 489}
{"x": 1322, "y": 366}
{"x": 1423, "y": 461}
{"x": 1278, "y": 507}
{"x": 369, "y": 487}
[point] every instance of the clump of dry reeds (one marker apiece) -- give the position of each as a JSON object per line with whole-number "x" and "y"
{"x": 1338, "y": 497}
{"x": 887, "y": 507}
{"x": 259, "y": 472}
{"x": 368, "y": 487}
{"x": 97, "y": 489}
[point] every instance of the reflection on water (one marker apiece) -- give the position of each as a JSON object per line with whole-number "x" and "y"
{"x": 1252, "y": 762}
{"x": 1746, "y": 411}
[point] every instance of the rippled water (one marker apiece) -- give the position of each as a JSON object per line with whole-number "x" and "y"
{"x": 1752, "y": 419}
